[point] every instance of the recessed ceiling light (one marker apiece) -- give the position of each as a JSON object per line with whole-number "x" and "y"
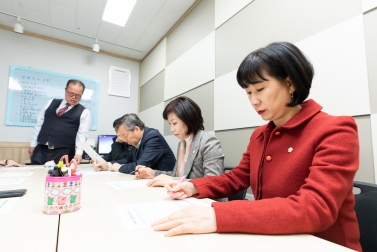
{"x": 118, "y": 11}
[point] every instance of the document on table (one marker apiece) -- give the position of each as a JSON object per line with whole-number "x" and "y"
{"x": 13, "y": 181}
{"x": 27, "y": 167}
{"x": 128, "y": 183}
{"x": 14, "y": 174}
{"x": 6, "y": 204}
{"x": 97, "y": 172}
{"x": 143, "y": 214}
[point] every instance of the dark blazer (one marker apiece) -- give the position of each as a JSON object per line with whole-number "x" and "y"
{"x": 153, "y": 152}
{"x": 118, "y": 151}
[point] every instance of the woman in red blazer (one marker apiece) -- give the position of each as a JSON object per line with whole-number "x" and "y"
{"x": 300, "y": 165}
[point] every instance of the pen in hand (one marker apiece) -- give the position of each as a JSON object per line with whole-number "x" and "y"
{"x": 179, "y": 181}
{"x": 136, "y": 170}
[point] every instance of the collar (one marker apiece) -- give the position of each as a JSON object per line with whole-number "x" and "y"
{"x": 64, "y": 101}
{"x": 188, "y": 140}
{"x": 309, "y": 109}
{"x": 138, "y": 145}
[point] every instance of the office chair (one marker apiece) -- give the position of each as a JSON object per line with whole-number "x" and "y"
{"x": 366, "y": 212}
{"x": 239, "y": 196}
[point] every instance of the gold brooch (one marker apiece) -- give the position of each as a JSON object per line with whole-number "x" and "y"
{"x": 290, "y": 149}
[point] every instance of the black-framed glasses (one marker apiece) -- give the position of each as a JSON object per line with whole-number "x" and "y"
{"x": 70, "y": 94}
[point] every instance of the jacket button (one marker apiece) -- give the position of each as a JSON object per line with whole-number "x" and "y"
{"x": 268, "y": 158}
{"x": 277, "y": 133}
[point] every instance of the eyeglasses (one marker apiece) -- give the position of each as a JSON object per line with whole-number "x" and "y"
{"x": 70, "y": 94}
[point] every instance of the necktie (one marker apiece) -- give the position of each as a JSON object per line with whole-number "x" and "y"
{"x": 62, "y": 110}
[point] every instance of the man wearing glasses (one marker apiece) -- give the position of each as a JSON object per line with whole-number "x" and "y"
{"x": 60, "y": 124}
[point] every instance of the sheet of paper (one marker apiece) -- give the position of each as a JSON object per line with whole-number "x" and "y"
{"x": 13, "y": 181}
{"x": 119, "y": 81}
{"x": 88, "y": 149}
{"x": 128, "y": 183}
{"x": 97, "y": 172}
{"x": 142, "y": 215}
{"x": 27, "y": 167}
{"x": 6, "y": 204}
{"x": 15, "y": 174}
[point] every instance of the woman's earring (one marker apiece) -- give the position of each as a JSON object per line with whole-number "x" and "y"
{"x": 292, "y": 94}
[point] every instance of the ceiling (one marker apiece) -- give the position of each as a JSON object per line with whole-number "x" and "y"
{"x": 149, "y": 21}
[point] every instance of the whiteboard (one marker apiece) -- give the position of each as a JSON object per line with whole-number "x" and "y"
{"x": 29, "y": 90}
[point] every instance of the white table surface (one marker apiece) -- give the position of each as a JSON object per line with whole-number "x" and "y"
{"x": 97, "y": 226}
{"x": 25, "y": 227}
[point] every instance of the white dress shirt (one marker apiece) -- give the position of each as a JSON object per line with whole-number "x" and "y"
{"x": 82, "y": 133}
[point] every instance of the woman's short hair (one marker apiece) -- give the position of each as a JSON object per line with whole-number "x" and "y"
{"x": 279, "y": 60}
{"x": 187, "y": 111}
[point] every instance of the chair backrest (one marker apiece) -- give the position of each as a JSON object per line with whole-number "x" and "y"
{"x": 366, "y": 212}
{"x": 239, "y": 196}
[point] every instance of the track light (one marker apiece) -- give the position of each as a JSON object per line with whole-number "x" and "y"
{"x": 96, "y": 47}
{"x": 18, "y": 26}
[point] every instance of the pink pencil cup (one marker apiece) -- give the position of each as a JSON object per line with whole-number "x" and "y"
{"x": 62, "y": 194}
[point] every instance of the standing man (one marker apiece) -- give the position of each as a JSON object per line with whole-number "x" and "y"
{"x": 60, "y": 124}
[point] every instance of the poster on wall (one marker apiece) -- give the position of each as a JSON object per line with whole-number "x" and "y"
{"x": 119, "y": 81}
{"x": 29, "y": 90}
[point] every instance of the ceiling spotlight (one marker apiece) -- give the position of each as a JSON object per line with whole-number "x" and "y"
{"x": 96, "y": 47}
{"x": 18, "y": 26}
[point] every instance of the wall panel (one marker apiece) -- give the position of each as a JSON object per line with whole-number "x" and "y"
{"x": 154, "y": 63}
{"x": 338, "y": 56}
{"x": 263, "y": 22}
{"x": 192, "y": 69}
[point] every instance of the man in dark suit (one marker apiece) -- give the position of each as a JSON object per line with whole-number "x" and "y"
{"x": 119, "y": 149}
{"x": 60, "y": 124}
{"x": 150, "y": 148}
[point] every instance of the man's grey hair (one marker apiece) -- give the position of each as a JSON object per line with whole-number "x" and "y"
{"x": 131, "y": 120}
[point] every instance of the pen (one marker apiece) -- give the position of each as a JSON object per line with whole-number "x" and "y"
{"x": 179, "y": 181}
{"x": 135, "y": 171}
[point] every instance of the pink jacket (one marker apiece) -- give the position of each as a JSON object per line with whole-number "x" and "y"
{"x": 301, "y": 175}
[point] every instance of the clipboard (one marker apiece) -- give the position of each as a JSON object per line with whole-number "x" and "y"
{"x": 92, "y": 154}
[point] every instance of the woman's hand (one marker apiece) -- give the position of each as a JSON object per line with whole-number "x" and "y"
{"x": 190, "y": 220}
{"x": 144, "y": 172}
{"x": 160, "y": 180}
{"x": 182, "y": 190}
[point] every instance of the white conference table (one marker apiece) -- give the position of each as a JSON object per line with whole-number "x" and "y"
{"x": 25, "y": 227}
{"x": 98, "y": 227}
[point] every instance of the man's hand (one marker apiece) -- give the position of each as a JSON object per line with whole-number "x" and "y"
{"x": 119, "y": 139}
{"x": 31, "y": 151}
{"x": 78, "y": 158}
{"x": 115, "y": 167}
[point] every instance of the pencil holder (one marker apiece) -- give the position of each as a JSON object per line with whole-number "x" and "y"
{"x": 62, "y": 194}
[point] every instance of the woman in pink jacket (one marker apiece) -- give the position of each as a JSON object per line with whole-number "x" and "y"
{"x": 300, "y": 165}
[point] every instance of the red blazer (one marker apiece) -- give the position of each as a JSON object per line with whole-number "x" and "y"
{"x": 301, "y": 175}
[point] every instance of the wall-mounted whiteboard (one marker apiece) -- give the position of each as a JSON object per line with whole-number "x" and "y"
{"x": 29, "y": 90}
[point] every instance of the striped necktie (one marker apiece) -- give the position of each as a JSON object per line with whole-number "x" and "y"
{"x": 62, "y": 110}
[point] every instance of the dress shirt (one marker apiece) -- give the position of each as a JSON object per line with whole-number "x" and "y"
{"x": 82, "y": 132}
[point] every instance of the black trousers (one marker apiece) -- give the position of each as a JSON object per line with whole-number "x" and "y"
{"x": 43, "y": 154}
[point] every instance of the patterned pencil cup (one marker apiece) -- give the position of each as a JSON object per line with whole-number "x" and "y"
{"x": 62, "y": 194}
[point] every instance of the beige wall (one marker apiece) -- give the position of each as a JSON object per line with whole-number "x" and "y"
{"x": 338, "y": 36}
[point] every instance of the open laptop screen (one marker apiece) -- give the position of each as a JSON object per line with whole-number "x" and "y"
{"x": 104, "y": 144}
